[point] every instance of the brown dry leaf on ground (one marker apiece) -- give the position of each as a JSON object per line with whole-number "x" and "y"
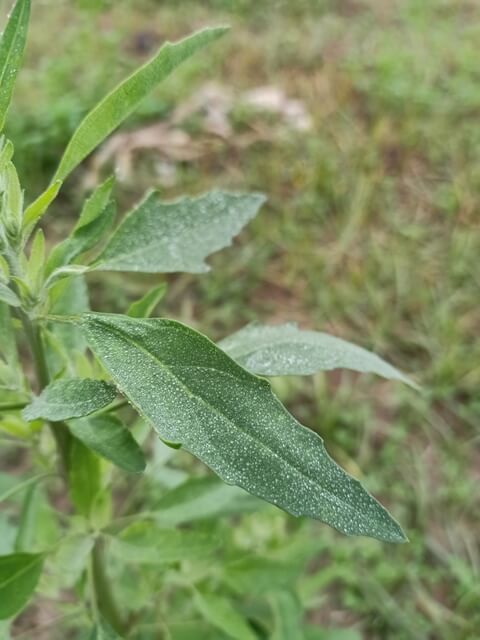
{"x": 212, "y": 105}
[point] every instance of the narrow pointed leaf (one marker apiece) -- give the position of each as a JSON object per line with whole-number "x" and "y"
{"x": 84, "y": 477}
{"x": 144, "y": 307}
{"x": 108, "y": 437}
{"x": 120, "y": 102}
{"x": 38, "y": 207}
{"x": 8, "y": 296}
{"x": 164, "y": 237}
{"x": 12, "y": 45}
{"x": 286, "y": 350}
{"x": 19, "y": 574}
{"x": 195, "y": 394}
{"x": 287, "y": 613}
{"x": 221, "y": 613}
{"x": 70, "y": 398}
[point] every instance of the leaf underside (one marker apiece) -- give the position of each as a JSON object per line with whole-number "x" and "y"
{"x": 195, "y": 394}
{"x": 287, "y": 350}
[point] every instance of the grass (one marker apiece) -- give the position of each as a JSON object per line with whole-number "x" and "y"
{"x": 371, "y": 232}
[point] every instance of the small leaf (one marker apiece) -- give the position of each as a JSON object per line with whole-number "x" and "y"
{"x": 108, "y": 437}
{"x": 144, "y": 307}
{"x": 95, "y": 219}
{"x": 120, "y": 102}
{"x": 164, "y": 237}
{"x": 38, "y": 207}
{"x": 258, "y": 575}
{"x": 8, "y": 296}
{"x": 201, "y": 498}
{"x": 70, "y": 398}
{"x": 103, "y": 631}
{"x": 12, "y": 45}
{"x": 19, "y": 574}
{"x": 195, "y": 394}
{"x": 84, "y": 477}
{"x": 221, "y": 613}
{"x": 36, "y": 263}
{"x": 144, "y": 543}
{"x": 286, "y": 350}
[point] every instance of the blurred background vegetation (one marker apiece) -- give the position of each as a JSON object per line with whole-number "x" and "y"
{"x": 359, "y": 120}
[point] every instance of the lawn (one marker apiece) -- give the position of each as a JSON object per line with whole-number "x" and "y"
{"x": 370, "y": 232}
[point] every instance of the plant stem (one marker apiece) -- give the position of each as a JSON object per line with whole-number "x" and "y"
{"x": 35, "y": 342}
{"x": 101, "y": 588}
{"x": 12, "y": 406}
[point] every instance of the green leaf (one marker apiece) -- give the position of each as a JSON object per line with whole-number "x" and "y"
{"x": 70, "y": 398}
{"x": 19, "y": 574}
{"x": 144, "y": 307}
{"x": 221, "y": 613}
{"x": 202, "y": 498}
{"x": 8, "y": 296}
{"x": 145, "y": 543}
{"x": 287, "y": 613}
{"x": 286, "y": 350}
{"x": 103, "y": 631}
{"x": 120, "y": 102}
{"x": 106, "y": 435}
{"x": 84, "y": 477}
{"x": 257, "y": 575}
{"x": 164, "y": 237}
{"x": 12, "y": 45}
{"x": 38, "y": 207}
{"x": 95, "y": 219}
{"x": 28, "y": 520}
{"x": 195, "y": 394}
{"x": 316, "y": 633}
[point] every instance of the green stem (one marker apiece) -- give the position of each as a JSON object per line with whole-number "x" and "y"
{"x": 101, "y": 588}
{"x": 34, "y": 338}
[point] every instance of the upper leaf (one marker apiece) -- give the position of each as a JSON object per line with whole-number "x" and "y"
{"x": 286, "y": 350}
{"x": 19, "y": 574}
{"x": 106, "y": 435}
{"x": 163, "y": 237}
{"x": 12, "y": 45}
{"x": 70, "y": 398}
{"x": 193, "y": 393}
{"x": 120, "y": 102}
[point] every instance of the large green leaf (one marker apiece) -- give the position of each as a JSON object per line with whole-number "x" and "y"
{"x": 164, "y": 237}
{"x": 19, "y": 574}
{"x": 193, "y": 393}
{"x": 120, "y": 102}
{"x": 145, "y": 543}
{"x": 201, "y": 498}
{"x": 70, "y": 398}
{"x": 287, "y": 350}
{"x": 220, "y": 612}
{"x": 106, "y": 435}
{"x": 12, "y": 45}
